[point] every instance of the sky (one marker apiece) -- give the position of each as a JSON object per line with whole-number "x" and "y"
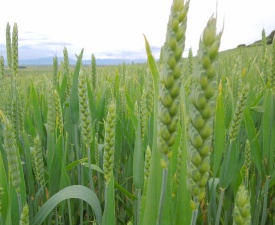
{"x": 115, "y": 28}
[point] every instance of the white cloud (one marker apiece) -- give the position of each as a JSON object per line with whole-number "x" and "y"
{"x": 113, "y": 25}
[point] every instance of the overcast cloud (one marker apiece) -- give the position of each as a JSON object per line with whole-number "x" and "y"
{"x": 115, "y": 28}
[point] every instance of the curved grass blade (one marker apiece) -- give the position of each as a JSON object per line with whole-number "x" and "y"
{"x": 74, "y": 191}
{"x": 254, "y": 142}
{"x": 149, "y": 212}
{"x": 92, "y": 166}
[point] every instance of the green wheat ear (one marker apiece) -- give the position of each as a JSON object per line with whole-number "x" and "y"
{"x": 109, "y": 151}
{"x": 201, "y": 113}
{"x": 171, "y": 76}
{"x": 8, "y": 45}
{"x": 84, "y": 110}
{"x": 147, "y": 163}
{"x": 94, "y": 78}
{"x": 190, "y": 62}
{"x": 24, "y": 219}
{"x": 51, "y": 109}
{"x": 58, "y": 111}
{"x": 149, "y": 88}
{"x": 238, "y": 114}
{"x": 38, "y": 161}
{"x": 66, "y": 73}
{"x": 15, "y": 49}
{"x": 55, "y": 76}
{"x": 242, "y": 214}
{"x": 12, "y": 155}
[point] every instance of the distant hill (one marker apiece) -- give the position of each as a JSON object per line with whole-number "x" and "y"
{"x": 269, "y": 40}
{"x": 100, "y": 62}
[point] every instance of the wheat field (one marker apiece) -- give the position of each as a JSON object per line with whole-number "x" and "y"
{"x": 172, "y": 141}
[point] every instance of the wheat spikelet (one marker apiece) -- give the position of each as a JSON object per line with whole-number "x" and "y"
{"x": 58, "y": 111}
{"x": 84, "y": 110}
{"x": 55, "y": 76}
{"x": 201, "y": 112}
{"x": 241, "y": 214}
{"x": 109, "y": 151}
{"x": 66, "y": 73}
{"x": 170, "y": 76}
{"x": 24, "y": 219}
{"x": 12, "y": 155}
{"x": 147, "y": 163}
{"x": 94, "y": 78}
{"x": 15, "y": 49}
{"x": 8, "y": 45}
{"x": 51, "y": 110}
{"x": 38, "y": 161}
{"x": 149, "y": 88}
{"x": 238, "y": 114}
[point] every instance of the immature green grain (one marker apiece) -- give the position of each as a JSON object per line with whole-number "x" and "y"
{"x": 109, "y": 144}
{"x": 66, "y": 64}
{"x": 12, "y": 155}
{"x": 38, "y": 161}
{"x": 201, "y": 113}
{"x": 147, "y": 163}
{"x": 238, "y": 114}
{"x": 24, "y": 219}
{"x": 66, "y": 73}
{"x": 149, "y": 88}
{"x": 15, "y": 49}
{"x": 242, "y": 214}
{"x": 8, "y": 45}
{"x": 136, "y": 109}
{"x": 170, "y": 76}
{"x": 84, "y": 110}
{"x": 247, "y": 160}
{"x": 1, "y": 67}
{"x": 94, "y": 79}
{"x": 8, "y": 107}
{"x": 237, "y": 82}
{"x": 128, "y": 85}
{"x": 58, "y": 111}
{"x": 55, "y": 69}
